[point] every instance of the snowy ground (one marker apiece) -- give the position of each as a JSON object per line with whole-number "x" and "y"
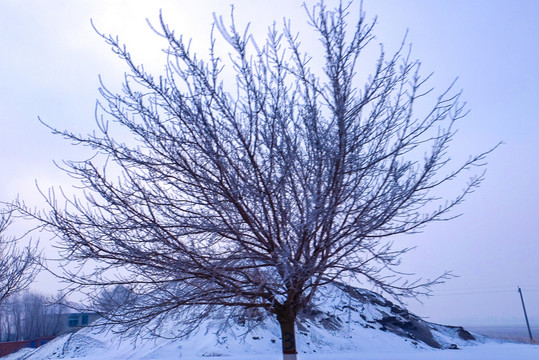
{"x": 363, "y": 326}
{"x": 493, "y": 351}
{"x": 490, "y": 351}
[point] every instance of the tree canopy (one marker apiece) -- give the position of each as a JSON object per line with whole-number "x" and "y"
{"x": 252, "y": 193}
{"x": 18, "y": 264}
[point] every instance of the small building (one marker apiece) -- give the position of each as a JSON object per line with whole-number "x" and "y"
{"x": 63, "y": 324}
{"x": 72, "y": 322}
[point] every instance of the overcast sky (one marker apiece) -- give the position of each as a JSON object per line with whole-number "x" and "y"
{"x": 51, "y": 58}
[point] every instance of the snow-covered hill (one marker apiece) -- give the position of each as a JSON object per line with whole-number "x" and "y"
{"x": 346, "y": 320}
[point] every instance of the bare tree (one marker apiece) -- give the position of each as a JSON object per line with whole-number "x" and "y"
{"x": 29, "y": 315}
{"x": 112, "y": 300}
{"x": 18, "y": 266}
{"x": 254, "y": 194}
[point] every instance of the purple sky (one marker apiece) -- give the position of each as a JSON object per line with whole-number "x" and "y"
{"x": 51, "y": 58}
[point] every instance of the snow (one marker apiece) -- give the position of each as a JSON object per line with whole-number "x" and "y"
{"x": 491, "y": 350}
{"x": 360, "y": 326}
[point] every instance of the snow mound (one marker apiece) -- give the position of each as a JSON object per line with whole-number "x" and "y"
{"x": 345, "y": 319}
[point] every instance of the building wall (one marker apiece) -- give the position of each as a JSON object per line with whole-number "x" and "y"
{"x": 75, "y": 321}
{"x": 7, "y": 348}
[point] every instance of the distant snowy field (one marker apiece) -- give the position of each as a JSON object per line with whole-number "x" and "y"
{"x": 516, "y": 333}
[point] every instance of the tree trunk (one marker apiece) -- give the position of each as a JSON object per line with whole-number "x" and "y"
{"x": 288, "y": 335}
